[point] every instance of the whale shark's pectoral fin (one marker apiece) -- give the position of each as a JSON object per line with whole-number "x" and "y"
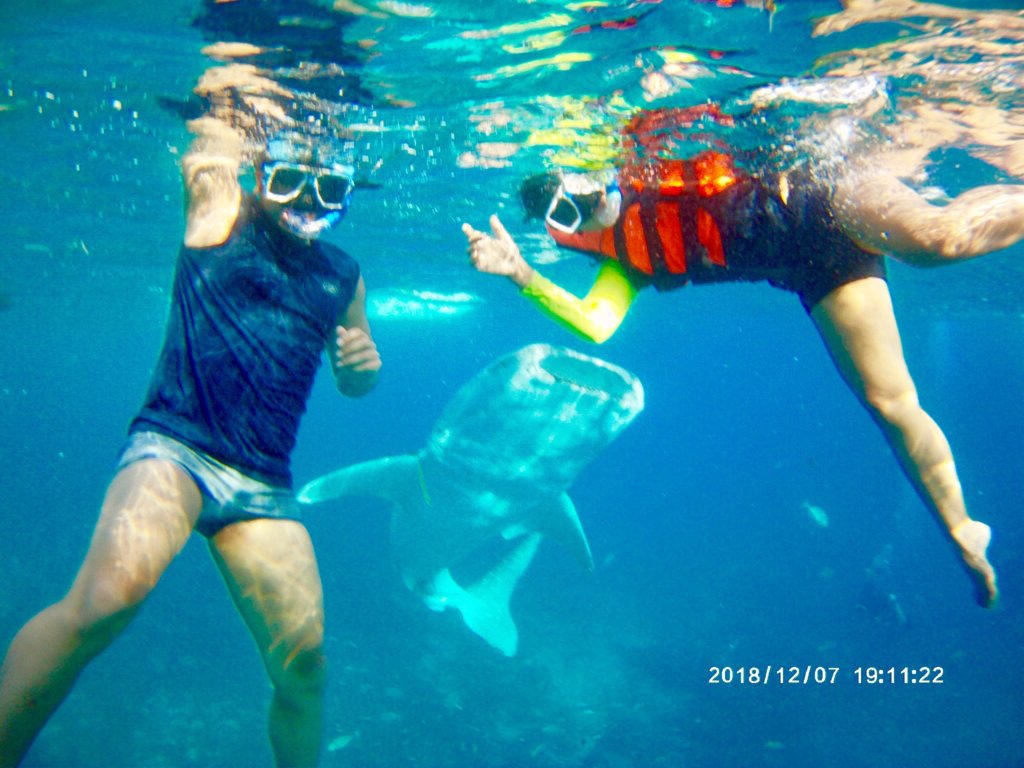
{"x": 396, "y": 478}
{"x": 563, "y": 524}
{"x": 485, "y": 605}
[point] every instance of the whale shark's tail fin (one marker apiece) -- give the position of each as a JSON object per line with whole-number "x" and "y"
{"x": 485, "y": 605}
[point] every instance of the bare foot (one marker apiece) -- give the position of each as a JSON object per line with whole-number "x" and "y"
{"x": 973, "y": 537}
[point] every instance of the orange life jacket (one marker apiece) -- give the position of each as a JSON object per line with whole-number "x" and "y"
{"x": 662, "y": 216}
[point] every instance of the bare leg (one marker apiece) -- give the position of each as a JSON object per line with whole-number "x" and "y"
{"x": 884, "y": 214}
{"x": 857, "y": 324}
{"x": 271, "y": 571}
{"x": 147, "y": 516}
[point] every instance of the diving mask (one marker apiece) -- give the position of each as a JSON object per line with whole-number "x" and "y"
{"x": 284, "y": 182}
{"x": 575, "y": 201}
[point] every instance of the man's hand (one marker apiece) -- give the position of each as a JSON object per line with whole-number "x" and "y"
{"x": 497, "y": 253}
{"x": 356, "y": 362}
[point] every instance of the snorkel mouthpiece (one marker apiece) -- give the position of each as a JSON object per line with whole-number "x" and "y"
{"x": 307, "y": 226}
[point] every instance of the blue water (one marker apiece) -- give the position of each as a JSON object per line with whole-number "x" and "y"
{"x": 705, "y": 556}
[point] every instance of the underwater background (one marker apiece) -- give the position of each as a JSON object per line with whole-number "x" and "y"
{"x": 699, "y": 515}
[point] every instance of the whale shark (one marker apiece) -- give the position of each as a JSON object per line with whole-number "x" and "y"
{"x": 491, "y": 481}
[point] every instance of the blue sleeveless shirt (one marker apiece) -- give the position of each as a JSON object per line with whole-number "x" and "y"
{"x": 248, "y": 322}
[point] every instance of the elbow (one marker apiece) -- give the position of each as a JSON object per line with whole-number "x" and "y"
{"x": 595, "y": 334}
{"x": 957, "y": 247}
{"x": 604, "y": 318}
{"x": 602, "y": 323}
{"x": 600, "y": 336}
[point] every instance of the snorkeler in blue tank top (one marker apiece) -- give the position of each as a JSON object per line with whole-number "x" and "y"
{"x": 257, "y": 299}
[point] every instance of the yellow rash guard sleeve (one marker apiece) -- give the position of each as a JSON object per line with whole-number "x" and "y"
{"x": 596, "y": 316}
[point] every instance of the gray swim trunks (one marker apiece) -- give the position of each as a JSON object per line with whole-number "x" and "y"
{"x": 228, "y": 495}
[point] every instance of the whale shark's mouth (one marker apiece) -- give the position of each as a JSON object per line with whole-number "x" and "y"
{"x": 586, "y": 373}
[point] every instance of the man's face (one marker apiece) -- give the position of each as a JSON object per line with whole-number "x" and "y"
{"x": 304, "y": 200}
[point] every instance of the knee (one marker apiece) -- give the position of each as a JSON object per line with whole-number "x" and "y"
{"x": 101, "y": 607}
{"x": 894, "y": 407}
{"x": 299, "y": 664}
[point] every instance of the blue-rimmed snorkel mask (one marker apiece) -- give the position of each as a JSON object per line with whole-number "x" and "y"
{"x": 312, "y": 184}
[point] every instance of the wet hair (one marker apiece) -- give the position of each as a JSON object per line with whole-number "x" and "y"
{"x": 316, "y": 151}
{"x": 536, "y": 193}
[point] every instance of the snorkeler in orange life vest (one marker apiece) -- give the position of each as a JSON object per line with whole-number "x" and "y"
{"x": 704, "y": 220}
{"x": 652, "y": 231}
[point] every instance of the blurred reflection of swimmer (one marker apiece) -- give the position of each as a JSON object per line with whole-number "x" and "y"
{"x": 667, "y": 223}
{"x": 287, "y": 61}
{"x": 301, "y": 44}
